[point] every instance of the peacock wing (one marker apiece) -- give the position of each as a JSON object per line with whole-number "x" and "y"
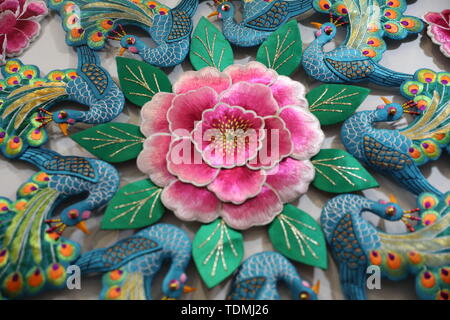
{"x": 247, "y": 289}
{"x": 357, "y": 69}
{"x": 182, "y": 20}
{"x": 269, "y": 17}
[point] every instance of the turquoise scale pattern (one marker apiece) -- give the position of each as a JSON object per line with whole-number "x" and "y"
{"x": 383, "y": 150}
{"x": 257, "y": 277}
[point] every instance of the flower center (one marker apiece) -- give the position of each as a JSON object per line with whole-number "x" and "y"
{"x": 232, "y": 133}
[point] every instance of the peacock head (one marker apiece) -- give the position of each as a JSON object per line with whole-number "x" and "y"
{"x": 304, "y": 291}
{"x": 73, "y": 216}
{"x": 393, "y": 111}
{"x": 224, "y": 11}
{"x": 64, "y": 118}
{"x": 174, "y": 284}
{"x": 132, "y": 44}
{"x": 327, "y": 31}
{"x": 389, "y": 111}
{"x": 391, "y": 211}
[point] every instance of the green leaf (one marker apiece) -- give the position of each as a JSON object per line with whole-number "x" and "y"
{"x": 338, "y": 171}
{"x": 334, "y": 103}
{"x": 299, "y": 237}
{"x": 113, "y": 142}
{"x": 209, "y": 48}
{"x": 217, "y": 250}
{"x": 140, "y": 81}
{"x": 282, "y": 51}
{"x": 135, "y": 205}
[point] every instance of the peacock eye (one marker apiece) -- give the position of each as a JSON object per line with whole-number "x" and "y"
{"x": 390, "y": 211}
{"x": 174, "y": 285}
{"x": 225, "y": 7}
{"x": 304, "y": 295}
{"x": 328, "y": 30}
{"x": 62, "y": 115}
{"x": 131, "y": 41}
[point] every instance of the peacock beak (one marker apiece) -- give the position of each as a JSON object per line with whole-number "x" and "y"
{"x": 188, "y": 289}
{"x": 82, "y": 226}
{"x": 64, "y": 128}
{"x": 213, "y": 14}
{"x": 317, "y": 24}
{"x": 122, "y": 51}
{"x": 385, "y": 100}
{"x": 392, "y": 198}
{"x": 316, "y": 287}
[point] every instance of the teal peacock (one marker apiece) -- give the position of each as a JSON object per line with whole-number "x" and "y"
{"x": 91, "y": 23}
{"x": 357, "y": 58}
{"x": 130, "y": 265}
{"x": 356, "y": 244}
{"x": 399, "y": 153}
{"x": 259, "y": 19}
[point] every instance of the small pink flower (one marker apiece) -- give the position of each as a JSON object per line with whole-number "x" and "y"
{"x": 234, "y": 144}
{"x": 18, "y": 25}
{"x": 439, "y": 29}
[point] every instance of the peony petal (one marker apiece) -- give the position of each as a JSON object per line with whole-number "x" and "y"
{"x": 16, "y": 41}
{"x": 256, "y": 211}
{"x": 7, "y": 21}
{"x": 35, "y": 9}
{"x": 190, "y": 203}
{"x": 187, "y": 109}
{"x": 152, "y": 159}
{"x": 28, "y": 27}
{"x": 256, "y": 97}
{"x": 276, "y": 145}
{"x": 305, "y": 131}
{"x": 186, "y": 163}
{"x": 206, "y": 77}
{"x": 289, "y": 92}
{"x": 238, "y": 184}
{"x": 440, "y": 35}
{"x": 438, "y": 18}
{"x": 291, "y": 178}
{"x": 154, "y": 114}
{"x": 2, "y": 49}
{"x": 254, "y": 72}
{"x": 11, "y": 5}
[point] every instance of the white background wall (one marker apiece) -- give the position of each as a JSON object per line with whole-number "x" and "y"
{"x": 50, "y": 52}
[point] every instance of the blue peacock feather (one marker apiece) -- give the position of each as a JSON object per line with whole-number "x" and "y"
{"x": 357, "y": 58}
{"x": 130, "y": 265}
{"x": 260, "y": 19}
{"x": 91, "y": 23}
{"x": 356, "y": 244}
{"x": 399, "y": 153}
{"x": 257, "y": 277}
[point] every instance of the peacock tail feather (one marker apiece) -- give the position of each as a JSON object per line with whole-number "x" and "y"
{"x": 123, "y": 285}
{"x": 25, "y": 97}
{"x": 430, "y": 131}
{"x": 90, "y": 21}
{"x": 370, "y": 21}
{"x": 31, "y": 259}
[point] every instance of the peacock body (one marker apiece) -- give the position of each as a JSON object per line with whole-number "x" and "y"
{"x": 91, "y": 23}
{"x": 356, "y": 59}
{"x": 399, "y": 153}
{"x": 130, "y": 265}
{"x": 257, "y": 277}
{"x": 259, "y": 19}
{"x": 356, "y": 244}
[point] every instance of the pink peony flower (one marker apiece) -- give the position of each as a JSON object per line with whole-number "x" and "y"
{"x": 439, "y": 29}
{"x": 234, "y": 144}
{"x": 18, "y": 26}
